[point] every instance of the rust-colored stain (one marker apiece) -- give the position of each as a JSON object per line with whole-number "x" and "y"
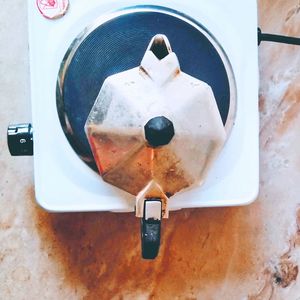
{"x": 280, "y": 275}
{"x": 267, "y": 291}
{"x": 287, "y": 273}
{"x": 292, "y": 13}
{"x": 290, "y": 106}
{"x": 168, "y": 171}
{"x": 287, "y": 111}
{"x": 127, "y": 162}
{"x": 101, "y": 251}
{"x": 283, "y": 273}
{"x": 262, "y": 103}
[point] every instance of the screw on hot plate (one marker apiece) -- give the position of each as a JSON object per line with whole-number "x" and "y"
{"x": 20, "y": 139}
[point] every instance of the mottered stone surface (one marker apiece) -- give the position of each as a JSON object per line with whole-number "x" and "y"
{"x": 250, "y": 252}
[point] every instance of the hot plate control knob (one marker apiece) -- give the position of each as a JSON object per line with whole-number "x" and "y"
{"x": 20, "y": 139}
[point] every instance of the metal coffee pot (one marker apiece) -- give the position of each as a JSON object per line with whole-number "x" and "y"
{"x": 154, "y": 131}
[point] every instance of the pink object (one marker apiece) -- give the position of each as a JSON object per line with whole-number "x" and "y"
{"x": 52, "y": 9}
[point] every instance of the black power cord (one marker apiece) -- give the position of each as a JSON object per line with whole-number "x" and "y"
{"x": 276, "y": 38}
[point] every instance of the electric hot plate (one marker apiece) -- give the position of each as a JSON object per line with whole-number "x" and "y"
{"x": 70, "y": 58}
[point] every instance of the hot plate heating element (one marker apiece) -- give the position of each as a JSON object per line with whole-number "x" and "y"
{"x": 118, "y": 45}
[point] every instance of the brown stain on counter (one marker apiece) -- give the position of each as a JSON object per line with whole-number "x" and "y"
{"x": 283, "y": 272}
{"x": 290, "y": 105}
{"x": 101, "y": 251}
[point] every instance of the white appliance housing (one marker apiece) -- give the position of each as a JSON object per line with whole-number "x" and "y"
{"x": 64, "y": 183}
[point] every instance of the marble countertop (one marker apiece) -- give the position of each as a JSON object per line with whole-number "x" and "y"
{"x": 250, "y": 252}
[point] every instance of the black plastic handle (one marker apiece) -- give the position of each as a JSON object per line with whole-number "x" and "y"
{"x": 150, "y": 235}
{"x": 150, "y": 228}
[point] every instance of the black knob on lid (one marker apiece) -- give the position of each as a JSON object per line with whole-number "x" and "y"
{"x": 20, "y": 139}
{"x": 159, "y": 131}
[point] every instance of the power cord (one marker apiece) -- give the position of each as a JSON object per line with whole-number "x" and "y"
{"x": 276, "y": 38}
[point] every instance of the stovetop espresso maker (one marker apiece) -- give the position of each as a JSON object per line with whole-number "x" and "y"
{"x": 154, "y": 131}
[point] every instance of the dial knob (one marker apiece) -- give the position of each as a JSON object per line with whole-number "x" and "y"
{"x": 20, "y": 139}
